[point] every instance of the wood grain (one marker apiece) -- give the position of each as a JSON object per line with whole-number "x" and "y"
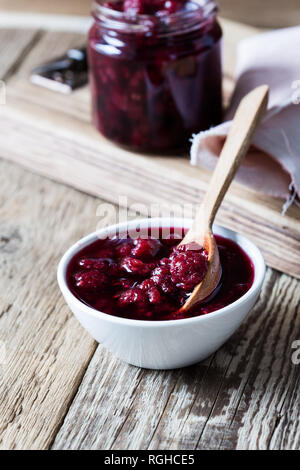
{"x": 54, "y": 391}
{"x": 266, "y": 14}
{"x": 46, "y": 350}
{"x": 70, "y": 7}
{"x": 15, "y": 45}
{"x": 244, "y": 397}
{"x": 71, "y": 151}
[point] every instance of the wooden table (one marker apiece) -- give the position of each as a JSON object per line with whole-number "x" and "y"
{"x": 60, "y": 390}
{"x": 266, "y": 14}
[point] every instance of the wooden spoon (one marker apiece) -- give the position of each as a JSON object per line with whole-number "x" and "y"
{"x": 245, "y": 122}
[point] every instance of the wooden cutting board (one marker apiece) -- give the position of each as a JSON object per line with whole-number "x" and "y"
{"x": 51, "y": 134}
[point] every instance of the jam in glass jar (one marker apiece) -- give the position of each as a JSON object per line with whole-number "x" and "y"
{"x": 155, "y": 71}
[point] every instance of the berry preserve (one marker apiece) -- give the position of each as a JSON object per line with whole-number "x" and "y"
{"x": 155, "y": 71}
{"x": 150, "y": 279}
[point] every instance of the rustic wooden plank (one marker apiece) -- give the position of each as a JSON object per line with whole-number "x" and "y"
{"x": 257, "y": 396}
{"x": 41, "y": 367}
{"x": 14, "y": 45}
{"x": 119, "y": 406}
{"x": 71, "y": 151}
{"x": 69, "y": 7}
{"x": 240, "y": 398}
{"x": 285, "y": 433}
{"x": 197, "y": 418}
{"x": 50, "y": 46}
{"x": 111, "y": 388}
{"x": 46, "y": 349}
{"x": 270, "y": 401}
{"x": 136, "y": 393}
{"x": 271, "y": 15}
{"x": 123, "y": 413}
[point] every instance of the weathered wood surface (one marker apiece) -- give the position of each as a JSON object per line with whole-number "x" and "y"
{"x": 243, "y": 397}
{"x": 58, "y": 390}
{"x": 246, "y": 396}
{"x": 70, "y": 150}
{"x": 16, "y": 43}
{"x": 266, "y": 14}
{"x": 46, "y": 350}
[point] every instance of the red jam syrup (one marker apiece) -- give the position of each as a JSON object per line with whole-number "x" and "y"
{"x": 150, "y": 279}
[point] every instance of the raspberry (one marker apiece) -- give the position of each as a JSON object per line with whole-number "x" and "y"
{"x": 133, "y": 297}
{"x": 154, "y": 295}
{"x": 92, "y": 263}
{"x": 161, "y": 277}
{"x": 148, "y": 7}
{"x": 124, "y": 249}
{"x": 103, "y": 265}
{"x": 135, "y": 266}
{"x": 90, "y": 280}
{"x": 188, "y": 267}
{"x": 146, "y": 284}
{"x": 146, "y": 248}
{"x": 155, "y": 290}
{"x": 160, "y": 274}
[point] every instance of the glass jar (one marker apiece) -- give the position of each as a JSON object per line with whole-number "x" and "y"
{"x": 155, "y": 79}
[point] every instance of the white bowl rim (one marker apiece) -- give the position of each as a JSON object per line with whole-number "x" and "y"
{"x": 257, "y": 260}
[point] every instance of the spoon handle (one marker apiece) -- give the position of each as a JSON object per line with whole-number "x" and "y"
{"x": 245, "y": 122}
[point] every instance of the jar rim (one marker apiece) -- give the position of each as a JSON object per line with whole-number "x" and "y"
{"x": 164, "y": 24}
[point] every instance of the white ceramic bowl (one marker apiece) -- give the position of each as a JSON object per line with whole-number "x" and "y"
{"x": 163, "y": 344}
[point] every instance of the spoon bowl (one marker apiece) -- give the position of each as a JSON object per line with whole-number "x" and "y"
{"x": 214, "y": 271}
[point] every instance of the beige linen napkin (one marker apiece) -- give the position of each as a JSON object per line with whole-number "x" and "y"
{"x": 272, "y": 165}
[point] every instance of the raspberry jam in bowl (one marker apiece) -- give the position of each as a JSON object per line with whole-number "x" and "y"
{"x": 150, "y": 279}
{"x": 155, "y": 71}
{"x": 126, "y": 291}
